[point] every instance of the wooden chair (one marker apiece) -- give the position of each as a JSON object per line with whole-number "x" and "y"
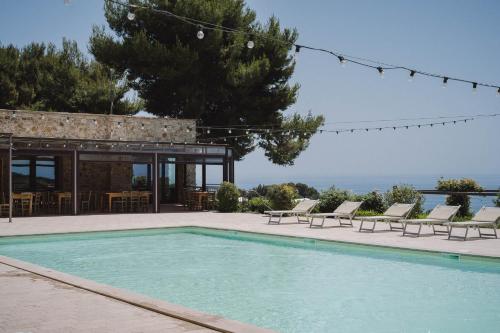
{"x": 211, "y": 201}
{"x": 119, "y": 204}
{"x": 37, "y": 202}
{"x": 66, "y": 205}
{"x": 135, "y": 201}
{"x": 4, "y": 205}
{"x": 85, "y": 202}
{"x": 144, "y": 202}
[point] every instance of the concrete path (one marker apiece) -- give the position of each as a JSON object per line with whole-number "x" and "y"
{"x": 32, "y": 303}
{"x": 251, "y": 223}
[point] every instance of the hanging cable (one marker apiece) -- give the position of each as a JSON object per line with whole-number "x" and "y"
{"x": 343, "y": 58}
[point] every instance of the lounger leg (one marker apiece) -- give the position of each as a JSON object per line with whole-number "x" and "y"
{"x": 404, "y": 228}
{"x": 372, "y": 229}
{"x": 311, "y": 223}
{"x": 466, "y": 232}
{"x": 449, "y": 231}
{"x": 419, "y": 228}
{"x": 278, "y": 221}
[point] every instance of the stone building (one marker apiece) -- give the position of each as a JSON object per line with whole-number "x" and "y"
{"x": 80, "y": 153}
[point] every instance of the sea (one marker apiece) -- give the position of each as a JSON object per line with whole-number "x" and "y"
{"x": 365, "y": 184}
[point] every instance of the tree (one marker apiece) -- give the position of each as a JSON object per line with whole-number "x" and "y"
{"x": 457, "y": 198}
{"x": 41, "y": 77}
{"x": 305, "y": 191}
{"x": 217, "y": 80}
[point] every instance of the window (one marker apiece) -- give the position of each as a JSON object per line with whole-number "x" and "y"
{"x": 20, "y": 175}
{"x": 45, "y": 172}
{"x": 141, "y": 177}
{"x": 34, "y": 174}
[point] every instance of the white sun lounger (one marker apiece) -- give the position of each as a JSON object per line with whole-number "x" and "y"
{"x": 392, "y": 215}
{"x": 347, "y": 210}
{"x": 302, "y": 209}
{"x": 486, "y": 217}
{"x": 439, "y": 216}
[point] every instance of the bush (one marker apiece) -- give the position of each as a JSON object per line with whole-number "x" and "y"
{"x": 459, "y": 185}
{"x": 259, "y": 204}
{"x": 497, "y": 200}
{"x": 405, "y": 194}
{"x": 373, "y": 201}
{"x": 330, "y": 199}
{"x": 281, "y": 196}
{"x": 227, "y": 197}
{"x": 305, "y": 191}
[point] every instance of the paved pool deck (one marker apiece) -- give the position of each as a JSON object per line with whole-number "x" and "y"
{"x": 37, "y": 299}
{"x": 252, "y": 223}
{"x": 33, "y": 303}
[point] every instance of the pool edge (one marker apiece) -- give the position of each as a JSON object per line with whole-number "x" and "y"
{"x": 213, "y": 322}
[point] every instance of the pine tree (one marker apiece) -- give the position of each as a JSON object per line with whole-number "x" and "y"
{"x": 217, "y": 80}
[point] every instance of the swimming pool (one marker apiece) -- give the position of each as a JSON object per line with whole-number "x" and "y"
{"x": 286, "y": 284}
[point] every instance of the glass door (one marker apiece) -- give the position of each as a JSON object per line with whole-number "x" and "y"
{"x": 167, "y": 181}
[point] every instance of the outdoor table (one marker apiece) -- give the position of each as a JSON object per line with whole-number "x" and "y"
{"x": 60, "y": 196}
{"x": 111, "y": 196}
{"x": 199, "y": 197}
{"x": 22, "y": 196}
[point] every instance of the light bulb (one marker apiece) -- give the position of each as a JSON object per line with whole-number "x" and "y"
{"x": 342, "y": 61}
{"x": 208, "y": 131}
{"x": 229, "y": 131}
{"x": 445, "y": 82}
{"x": 474, "y": 87}
{"x": 412, "y": 75}
{"x": 200, "y": 34}
{"x": 381, "y": 72}
{"x": 131, "y": 16}
{"x": 250, "y": 44}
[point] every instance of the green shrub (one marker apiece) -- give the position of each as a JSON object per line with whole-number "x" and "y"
{"x": 305, "y": 191}
{"x": 497, "y": 200}
{"x": 227, "y": 197}
{"x": 373, "y": 201}
{"x": 281, "y": 196}
{"x": 367, "y": 213}
{"x": 259, "y": 204}
{"x": 330, "y": 199}
{"x": 405, "y": 194}
{"x": 459, "y": 185}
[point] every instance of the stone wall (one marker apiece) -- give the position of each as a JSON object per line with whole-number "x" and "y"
{"x": 96, "y": 126}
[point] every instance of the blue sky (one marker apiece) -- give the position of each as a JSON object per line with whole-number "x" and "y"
{"x": 456, "y": 38}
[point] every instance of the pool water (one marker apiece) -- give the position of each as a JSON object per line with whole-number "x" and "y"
{"x": 289, "y": 285}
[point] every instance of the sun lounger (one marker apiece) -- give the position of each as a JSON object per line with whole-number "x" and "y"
{"x": 346, "y": 210}
{"x": 392, "y": 215}
{"x": 439, "y": 216}
{"x": 301, "y": 210}
{"x": 486, "y": 217}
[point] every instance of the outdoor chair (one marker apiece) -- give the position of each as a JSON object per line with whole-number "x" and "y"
{"x": 393, "y": 214}
{"x": 439, "y": 216}
{"x": 134, "y": 201}
{"x": 486, "y": 218}
{"x": 346, "y": 210}
{"x": 85, "y": 202}
{"x": 301, "y": 211}
{"x": 119, "y": 204}
{"x": 144, "y": 201}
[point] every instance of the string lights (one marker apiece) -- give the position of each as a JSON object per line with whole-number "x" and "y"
{"x": 343, "y": 58}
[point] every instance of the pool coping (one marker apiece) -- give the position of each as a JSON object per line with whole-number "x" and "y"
{"x": 213, "y": 322}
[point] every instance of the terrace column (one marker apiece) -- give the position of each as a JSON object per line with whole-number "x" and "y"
{"x": 155, "y": 183}
{"x": 231, "y": 170}
{"x": 225, "y": 177}
{"x": 11, "y": 202}
{"x": 75, "y": 181}
{"x": 203, "y": 176}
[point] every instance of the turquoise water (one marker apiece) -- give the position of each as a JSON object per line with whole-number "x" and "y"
{"x": 283, "y": 284}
